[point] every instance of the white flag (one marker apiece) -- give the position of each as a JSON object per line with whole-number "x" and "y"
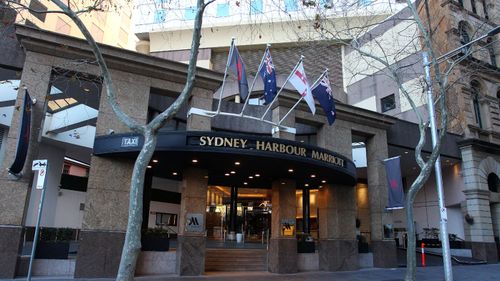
{"x": 299, "y": 81}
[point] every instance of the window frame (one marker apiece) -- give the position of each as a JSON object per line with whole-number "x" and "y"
{"x": 384, "y": 107}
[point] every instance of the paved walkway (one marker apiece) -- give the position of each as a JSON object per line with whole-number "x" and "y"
{"x": 434, "y": 273}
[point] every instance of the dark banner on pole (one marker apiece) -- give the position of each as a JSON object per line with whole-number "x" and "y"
{"x": 24, "y": 137}
{"x": 396, "y": 196}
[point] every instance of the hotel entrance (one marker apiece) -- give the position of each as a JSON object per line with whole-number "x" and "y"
{"x": 238, "y": 217}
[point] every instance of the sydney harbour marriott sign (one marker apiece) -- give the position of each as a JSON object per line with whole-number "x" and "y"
{"x": 294, "y": 149}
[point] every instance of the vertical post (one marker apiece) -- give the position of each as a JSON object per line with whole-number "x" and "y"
{"x": 305, "y": 211}
{"x": 37, "y": 225}
{"x": 437, "y": 170}
{"x": 233, "y": 213}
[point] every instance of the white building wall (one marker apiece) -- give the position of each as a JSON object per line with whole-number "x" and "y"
{"x": 68, "y": 213}
{"x": 55, "y": 157}
{"x": 161, "y": 207}
{"x": 426, "y": 207}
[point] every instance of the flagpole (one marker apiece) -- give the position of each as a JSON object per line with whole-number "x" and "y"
{"x": 225, "y": 73}
{"x": 282, "y": 87}
{"x": 302, "y": 97}
{"x": 255, "y": 79}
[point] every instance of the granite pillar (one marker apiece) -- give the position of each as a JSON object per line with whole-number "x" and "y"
{"x": 338, "y": 248}
{"x": 283, "y": 247}
{"x": 383, "y": 247}
{"x": 191, "y": 243}
{"x": 14, "y": 192}
{"x": 278, "y": 113}
{"x": 479, "y": 230}
{"x": 106, "y": 206}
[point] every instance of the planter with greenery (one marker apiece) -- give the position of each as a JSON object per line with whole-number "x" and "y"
{"x": 54, "y": 243}
{"x": 155, "y": 239}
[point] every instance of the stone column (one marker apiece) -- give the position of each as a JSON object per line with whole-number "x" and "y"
{"x": 480, "y": 231}
{"x": 283, "y": 249}
{"x": 477, "y": 206}
{"x": 495, "y": 217}
{"x": 14, "y": 193}
{"x": 338, "y": 249}
{"x": 191, "y": 243}
{"x": 278, "y": 113}
{"x": 383, "y": 248}
{"x": 306, "y": 210}
{"x": 106, "y": 206}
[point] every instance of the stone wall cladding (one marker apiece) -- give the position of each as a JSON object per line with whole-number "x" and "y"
{"x": 317, "y": 57}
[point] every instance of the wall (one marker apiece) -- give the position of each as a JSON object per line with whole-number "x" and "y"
{"x": 4, "y": 132}
{"x": 55, "y": 157}
{"x": 426, "y": 207}
{"x": 68, "y": 213}
{"x": 161, "y": 207}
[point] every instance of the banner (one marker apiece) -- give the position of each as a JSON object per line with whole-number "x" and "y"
{"x": 24, "y": 137}
{"x": 396, "y": 199}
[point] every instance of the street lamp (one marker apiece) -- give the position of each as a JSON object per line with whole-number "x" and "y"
{"x": 437, "y": 166}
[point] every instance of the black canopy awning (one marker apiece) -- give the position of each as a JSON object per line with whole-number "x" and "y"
{"x": 235, "y": 159}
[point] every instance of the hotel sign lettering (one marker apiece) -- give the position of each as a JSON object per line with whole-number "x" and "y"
{"x": 269, "y": 146}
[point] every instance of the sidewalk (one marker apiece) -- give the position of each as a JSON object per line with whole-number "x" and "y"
{"x": 435, "y": 273}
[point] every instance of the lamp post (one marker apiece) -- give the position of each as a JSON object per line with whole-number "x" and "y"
{"x": 437, "y": 166}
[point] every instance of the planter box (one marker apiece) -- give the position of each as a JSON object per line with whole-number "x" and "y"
{"x": 154, "y": 243}
{"x": 52, "y": 250}
{"x": 305, "y": 247}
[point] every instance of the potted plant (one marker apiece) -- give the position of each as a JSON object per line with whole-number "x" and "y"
{"x": 155, "y": 239}
{"x": 54, "y": 243}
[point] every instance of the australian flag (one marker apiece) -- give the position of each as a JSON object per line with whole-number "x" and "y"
{"x": 238, "y": 67}
{"x": 268, "y": 76}
{"x": 323, "y": 93}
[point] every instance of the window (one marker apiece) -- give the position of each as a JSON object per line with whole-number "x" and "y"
{"x": 97, "y": 33}
{"x": 475, "y": 90}
{"x": 364, "y": 2}
{"x": 190, "y": 13}
{"x": 491, "y": 51}
{"x": 166, "y": 219}
{"x": 485, "y": 10}
{"x": 461, "y": 3}
{"x": 473, "y": 4}
{"x": 66, "y": 168}
{"x": 493, "y": 182}
{"x": 498, "y": 97}
{"x": 256, "y": 7}
{"x": 291, "y": 6}
{"x": 327, "y": 3}
{"x": 160, "y": 16}
{"x": 62, "y": 26}
{"x": 223, "y": 10}
{"x": 388, "y": 103}
{"x": 36, "y": 5}
{"x": 464, "y": 36}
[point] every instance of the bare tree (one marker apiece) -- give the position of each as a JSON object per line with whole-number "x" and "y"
{"x": 132, "y": 245}
{"x": 348, "y": 23}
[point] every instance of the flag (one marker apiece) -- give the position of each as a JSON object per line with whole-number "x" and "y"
{"x": 299, "y": 81}
{"x": 323, "y": 93}
{"x": 238, "y": 67}
{"x": 396, "y": 196}
{"x": 24, "y": 137}
{"x": 268, "y": 75}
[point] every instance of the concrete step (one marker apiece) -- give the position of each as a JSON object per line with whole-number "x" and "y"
{"x": 235, "y": 260}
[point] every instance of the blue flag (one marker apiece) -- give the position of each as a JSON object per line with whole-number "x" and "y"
{"x": 24, "y": 136}
{"x": 323, "y": 93}
{"x": 396, "y": 198}
{"x": 268, "y": 75}
{"x": 238, "y": 67}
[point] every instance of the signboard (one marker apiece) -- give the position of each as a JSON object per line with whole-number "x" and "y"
{"x": 288, "y": 227}
{"x": 41, "y": 167}
{"x": 130, "y": 142}
{"x": 195, "y": 223}
{"x": 269, "y": 146}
